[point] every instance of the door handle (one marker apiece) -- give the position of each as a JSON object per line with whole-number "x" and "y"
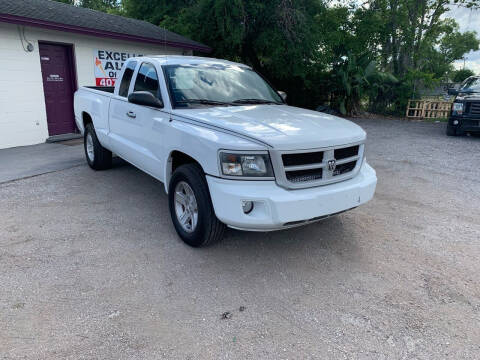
{"x": 131, "y": 114}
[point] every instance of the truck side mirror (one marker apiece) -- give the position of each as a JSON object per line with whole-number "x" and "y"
{"x": 452, "y": 91}
{"x": 145, "y": 98}
{"x": 283, "y": 95}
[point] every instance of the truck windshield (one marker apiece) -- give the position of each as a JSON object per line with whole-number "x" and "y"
{"x": 471, "y": 85}
{"x": 218, "y": 85}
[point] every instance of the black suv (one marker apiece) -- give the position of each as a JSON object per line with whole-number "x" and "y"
{"x": 465, "y": 115}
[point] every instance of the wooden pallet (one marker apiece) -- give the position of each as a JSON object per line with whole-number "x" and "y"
{"x": 428, "y": 109}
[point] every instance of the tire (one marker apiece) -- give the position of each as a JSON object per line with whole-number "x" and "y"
{"x": 98, "y": 158}
{"x": 204, "y": 228}
{"x": 451, "y": 131}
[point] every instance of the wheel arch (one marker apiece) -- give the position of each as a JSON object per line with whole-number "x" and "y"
{"x": 86, "y": 119}
{"x": 175, "y": 159}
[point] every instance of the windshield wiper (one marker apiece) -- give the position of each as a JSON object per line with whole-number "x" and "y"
{"x": 255, "y": 101}
{"x": 203, "y": 101}
{"x": 233, "y": 103}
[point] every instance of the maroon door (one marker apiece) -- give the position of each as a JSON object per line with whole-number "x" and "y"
{"x": 58, "y": 87}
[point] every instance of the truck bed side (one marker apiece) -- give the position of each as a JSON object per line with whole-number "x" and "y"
{"x": 92, "y": 105}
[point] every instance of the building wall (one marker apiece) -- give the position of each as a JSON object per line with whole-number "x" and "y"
{"x": 23, "y": 119}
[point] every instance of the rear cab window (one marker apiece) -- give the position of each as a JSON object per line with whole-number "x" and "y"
{"x": 127, "y": 77}
{"x": 147, "y": 80}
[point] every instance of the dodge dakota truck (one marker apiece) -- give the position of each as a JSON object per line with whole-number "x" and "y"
{"x": 226, "y": 146}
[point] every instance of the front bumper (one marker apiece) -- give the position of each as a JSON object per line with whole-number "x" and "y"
{"x": 277, "y": 208}
{"x": 465, "y": 123}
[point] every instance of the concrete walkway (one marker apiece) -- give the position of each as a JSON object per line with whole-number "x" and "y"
{"x": 27, "y": 161}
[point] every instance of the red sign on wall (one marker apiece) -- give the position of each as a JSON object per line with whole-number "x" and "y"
{"x": 105, "y": 81}
{"x": 108, "y": 64}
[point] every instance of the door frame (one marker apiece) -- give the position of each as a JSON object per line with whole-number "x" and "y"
{"x": 73, "y": 68}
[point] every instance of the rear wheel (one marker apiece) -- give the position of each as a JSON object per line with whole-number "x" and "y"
{"x": 191, "y": 208}
{"x": 98, "y": 157}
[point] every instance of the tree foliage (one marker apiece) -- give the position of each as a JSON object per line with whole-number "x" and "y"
{"x": 459, "y": 75}
{"x": 353, "y": 55}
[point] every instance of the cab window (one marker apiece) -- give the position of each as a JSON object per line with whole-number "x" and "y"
{"x": 127, "y": 77}
{"x": 147, "y": 80}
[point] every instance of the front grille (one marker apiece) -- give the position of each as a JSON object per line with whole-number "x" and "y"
{"x": 318, "y": 167}
{"x": 346, "y": 152}
{"x": 304, "y": 175}
{"x": 302, "y": 158}
{"x": 344, "y": 168}
{"x": 474, "y": 108}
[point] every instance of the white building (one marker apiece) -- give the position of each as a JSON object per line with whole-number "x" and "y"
{"x": 48, "y": 49}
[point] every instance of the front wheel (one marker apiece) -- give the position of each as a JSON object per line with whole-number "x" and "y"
{"x": 191, "y": 208}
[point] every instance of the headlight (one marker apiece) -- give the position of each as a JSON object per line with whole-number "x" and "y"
{"x": 246, "y": 165}
{"x": 457, "y": 108}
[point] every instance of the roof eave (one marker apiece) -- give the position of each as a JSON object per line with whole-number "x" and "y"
{"x": 20, "y": 20}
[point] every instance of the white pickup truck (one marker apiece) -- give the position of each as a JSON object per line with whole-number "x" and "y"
{"x": 227, "y": 148}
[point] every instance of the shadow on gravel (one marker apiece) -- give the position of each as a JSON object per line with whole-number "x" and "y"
{"x": 287, "y": 249}
{"x": 119, "y": 162}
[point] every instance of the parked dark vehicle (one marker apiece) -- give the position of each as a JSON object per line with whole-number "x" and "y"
{"x": 465, "y": 115}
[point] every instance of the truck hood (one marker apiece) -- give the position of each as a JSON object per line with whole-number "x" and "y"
{"x": 280, "y": 126}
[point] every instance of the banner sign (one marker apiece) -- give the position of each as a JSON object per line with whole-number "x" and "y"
{"x": 108, "y": 64}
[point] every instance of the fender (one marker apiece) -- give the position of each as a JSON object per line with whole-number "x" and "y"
{"x": 168, "y": 165}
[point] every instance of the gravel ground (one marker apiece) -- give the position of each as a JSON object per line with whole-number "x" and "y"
{"x": 91, "y": 268}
